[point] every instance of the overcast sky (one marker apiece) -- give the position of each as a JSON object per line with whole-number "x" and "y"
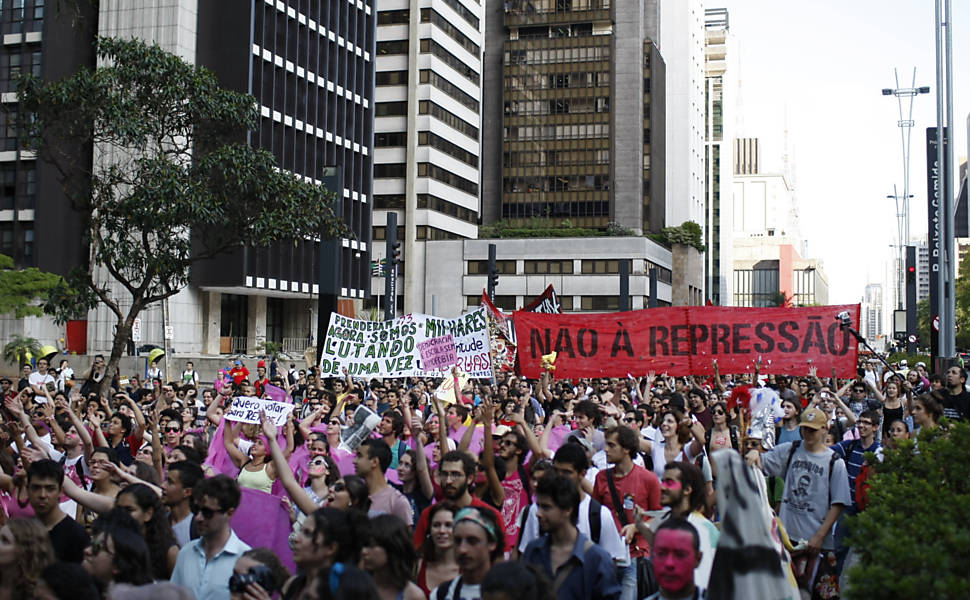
{"x": 823, "y": 63}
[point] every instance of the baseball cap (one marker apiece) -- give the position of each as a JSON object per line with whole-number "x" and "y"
{"x": 813, "y": 418}
{"x": 903, "y": 363}
{"x": 238, "y": 362}
{"x": 261, "y": 363}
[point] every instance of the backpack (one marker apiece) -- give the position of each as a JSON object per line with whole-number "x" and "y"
{"x": 592, "y": 515}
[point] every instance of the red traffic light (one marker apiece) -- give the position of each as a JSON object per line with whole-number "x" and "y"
{"x": 912, "y": 269}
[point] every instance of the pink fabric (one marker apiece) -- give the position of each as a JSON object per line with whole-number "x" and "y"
{"x": 298, "y": 462}
{"x": 277, "y": 394}
{"x": 557, "y": 436}
{"x": 344, "y": 460}
{"x": 263, "y": 520}
{"x": 218, "y": 458}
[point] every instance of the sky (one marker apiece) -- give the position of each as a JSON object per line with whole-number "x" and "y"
{"x": 818, "y": 68}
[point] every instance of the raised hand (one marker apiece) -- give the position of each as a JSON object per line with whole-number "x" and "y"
{"x": 269, "y": 427}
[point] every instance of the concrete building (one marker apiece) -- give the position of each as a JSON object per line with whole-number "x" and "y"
{"x": 873, "y": 314}
{"x": 585, "y": 275}
{"x": 682, "y": 40}
{"x": 574, "y": 114}
{"x": 765, "y": 267}
{"x": 310, "y": 67}
{"x": 427, "y": 130}
{"x": 720, "y": 86}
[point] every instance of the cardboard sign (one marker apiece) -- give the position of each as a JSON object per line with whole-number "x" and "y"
{"x": 446, "y": 391}
{"x": 438, "y": 353}
{"x": 245, "y": 409}
{"x": 687, "y": 340}
{"x": 391, "y": 348}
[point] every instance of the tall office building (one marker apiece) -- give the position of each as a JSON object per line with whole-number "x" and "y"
{"x": 682, "y": 40}
{"x": 310, "y": 66}
{"x": 574, "y": 114}
{"x": 873, "y": 313}
{"x": 720, "y": 85}
{"x": 427, "y": 130}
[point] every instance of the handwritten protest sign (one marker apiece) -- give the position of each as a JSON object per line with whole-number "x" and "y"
{"x": 446, "y": 391}
{"x": 438, "y": 353}
{"x": 245, "y": 409}
{"x": 391, "y": 348}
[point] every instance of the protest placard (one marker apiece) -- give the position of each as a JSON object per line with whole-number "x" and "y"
{"x": 245, "y": 409}
{"x": 391, "y": 348}
{"x": 446, "y": 391}
{"x": 438, "y": 353}
{"x": 365, "y": 422}
{"x": 687, "y": 340}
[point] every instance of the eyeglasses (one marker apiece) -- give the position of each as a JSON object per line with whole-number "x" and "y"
{"x": 338, "y": 487}
{"x": 207, "y": 512}
{"x": 718, "y": 412}
{"x": 507, "y": 443}
{"x": 99, "y": 546}
{"x": 859, "y": 390}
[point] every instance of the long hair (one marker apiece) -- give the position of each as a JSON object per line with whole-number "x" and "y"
{"x": 131, "y": 555}
{"x": 339, "y": 528}
{"x": 391, "y": 533}
{"x": 428, "y": 550}
{"x": 158, "y": 531}
{"x": 34, "y": 553}
{"x": 359, "y": 494}
{"x": 683, "y": 429}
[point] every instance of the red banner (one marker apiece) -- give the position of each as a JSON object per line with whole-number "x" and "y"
{"x": 546, "y": 302}
{"x": 687, "y": 340}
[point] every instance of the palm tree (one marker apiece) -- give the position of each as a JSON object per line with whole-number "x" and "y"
{"x": 20, "y": 348}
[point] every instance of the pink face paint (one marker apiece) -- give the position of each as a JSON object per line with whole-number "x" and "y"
{"x": 674, "y": 560}
{"x": 671, "y": 484}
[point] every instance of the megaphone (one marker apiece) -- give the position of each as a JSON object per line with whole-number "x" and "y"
{"x": 47, "y": 353}
{"x": 155, "y": 355}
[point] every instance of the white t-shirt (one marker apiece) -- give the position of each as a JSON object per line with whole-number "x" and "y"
{"x": 468, "y": 591}
{"x": 36, "y": 379}
{"x": 610, "y": 539}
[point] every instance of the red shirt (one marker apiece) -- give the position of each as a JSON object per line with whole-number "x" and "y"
{"x": 640, "y": 487}
{"x": 422, "y": 527}
{"x": 238, "y": 374}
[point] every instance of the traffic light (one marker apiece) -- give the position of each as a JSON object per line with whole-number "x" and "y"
{"x": 492, "y": 272}
{"x": 396, "y": 253}
{"x": 911, "y": 320}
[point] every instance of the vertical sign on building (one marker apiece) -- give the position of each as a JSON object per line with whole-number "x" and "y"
{"x": 934, "y": 238}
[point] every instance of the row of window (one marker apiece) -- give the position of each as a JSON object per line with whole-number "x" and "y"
{"x": 557, "y": 81}
{"x": 563, "y": 267}
{"x": 455, "y": 92}
{"x": 558, "y": 132}
{"x": 427, "y": 107}
{"x": 425, "y": 138}
{"x": 576, "y": 51}
{"x": 429, "y": 202}
{"x": 566, "y": 303}
{"x": 552, "y": 6}
{"x": 429, "y": 15}
{"x": 558, "y": 106}
{"x": 438, "y": 51}
{"x": 22, "y": 193}
{"x": 424, "y": 232}
{"x": 448, "y": 178}
{"x": 463, "y": 12}
{"x": 391, "y": 78}
{"x": 561, "y": 183}
{"x": 555, "y": 31}
{"x": 583, "y": 209}
{"x": 13, "y": 62}
{"x": 556, "y": 158}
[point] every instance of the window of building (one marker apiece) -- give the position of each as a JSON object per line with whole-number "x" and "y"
{"x": 447, "y": 177}
{"x": 390, "y": 171}
{"x": 390, "y": 109}
{"x": 392, "y": 17}
{"x": 274, "y": 319}
{"x": 480, "y": 267}
{"x": 566, "y": 303}
{"x": 548, "y": 267}
{"x": 664, "y": 275}
{"x": 390, "y": 139}
{"x": 600, "y": 303}
{"x": 392, "y": 47}
{"x": 600, "y": 267}
{"x": 391, "y": 78}
{"x": 426, "y": 138}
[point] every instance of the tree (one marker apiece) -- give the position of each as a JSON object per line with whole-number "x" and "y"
{"x": 913, "y": 539}
{"x": 174, "y": 181}
{"x": 20, "y": 348}
{"x": 23, "y": 291}
{"x": 688, "y": 233}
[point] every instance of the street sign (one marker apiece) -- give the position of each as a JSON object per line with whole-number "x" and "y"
{"x": 169, "y": 332}
{"x": 136, "y": 330}
{"x": 936, "y": 323}
{"x": 912, "y": 339}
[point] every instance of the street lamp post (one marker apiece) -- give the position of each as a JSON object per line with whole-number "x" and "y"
{"x": 902, "y": 239}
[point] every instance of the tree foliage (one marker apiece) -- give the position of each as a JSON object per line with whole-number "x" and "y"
{"x": 18, "y": 349}
{"x": 23, "y": 291}
{"x": 688, "y": 233}
{"x": 914, "y": 537}
{"x": 172, "y": 181}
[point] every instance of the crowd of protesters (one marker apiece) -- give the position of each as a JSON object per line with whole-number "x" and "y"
{"x": 513, "y": 489}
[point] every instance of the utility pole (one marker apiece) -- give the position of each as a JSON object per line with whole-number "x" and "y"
{"x": 393, "y": 254}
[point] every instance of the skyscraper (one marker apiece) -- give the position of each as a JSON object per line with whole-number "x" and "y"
{"x": 579, "y": 90}
{"x": 427, "y": 129}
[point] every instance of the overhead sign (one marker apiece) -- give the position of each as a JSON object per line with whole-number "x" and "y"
{"x": 136, "y": 330}
{"x": 687, "y": 341}
{"x": 391, "y": 348}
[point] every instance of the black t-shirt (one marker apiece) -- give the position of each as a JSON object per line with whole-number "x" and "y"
{"x": 69, "y": 540}
{"x": 956, "y": 407}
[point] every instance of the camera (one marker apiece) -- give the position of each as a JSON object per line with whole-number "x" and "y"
{"x": 844, "y": 319}
{"x": 260, "y": 574}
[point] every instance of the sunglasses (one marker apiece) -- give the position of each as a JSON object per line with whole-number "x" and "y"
{"x": 338, "y": 487}
{"x": 629, "y": 420}
{"x": 173, "y": 429}
{"x": 318, "y": 463}
{"x": 207, "y": 512}
{"x": 719, "y": 412}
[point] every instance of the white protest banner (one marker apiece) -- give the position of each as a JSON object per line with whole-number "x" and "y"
{"x": 390, "y": 348}
{"x": 439, "y": 352}
{"x": 245, "y": 409}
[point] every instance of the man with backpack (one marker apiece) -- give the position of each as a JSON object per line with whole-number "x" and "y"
{"x": 595, "y": 520}
{"x": 816, "y": 490}
{"x": 853, "y": 452}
